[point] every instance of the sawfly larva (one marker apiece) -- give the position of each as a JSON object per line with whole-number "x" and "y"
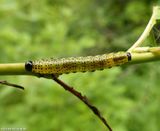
{"x": 77, "y": 64}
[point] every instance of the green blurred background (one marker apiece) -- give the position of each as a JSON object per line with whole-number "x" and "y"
{"x": 127, "y": 96}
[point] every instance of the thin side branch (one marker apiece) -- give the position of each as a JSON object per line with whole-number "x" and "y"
{"x": 12, "y": 85}
{"x": 84, "y": 99}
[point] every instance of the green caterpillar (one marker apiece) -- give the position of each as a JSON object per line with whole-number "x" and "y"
{"x": 77, "y": 64}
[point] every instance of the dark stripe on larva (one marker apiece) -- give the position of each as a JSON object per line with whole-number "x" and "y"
{"x": 77, "y": 64}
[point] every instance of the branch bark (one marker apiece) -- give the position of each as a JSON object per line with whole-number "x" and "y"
{"x": 84, "y": 99}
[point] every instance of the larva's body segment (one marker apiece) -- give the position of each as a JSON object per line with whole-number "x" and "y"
{"x": 78, "y": 64}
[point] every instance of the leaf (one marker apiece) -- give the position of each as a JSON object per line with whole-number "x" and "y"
{"x": 152, "y": 38}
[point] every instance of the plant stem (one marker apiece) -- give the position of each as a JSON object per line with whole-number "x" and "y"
{"x": 144, "y": 57}
{"x": 13, "y": 69}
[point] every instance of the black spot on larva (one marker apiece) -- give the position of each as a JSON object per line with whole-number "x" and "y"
{"x": 129, "y": 56}
{"x": 29, "y": 65}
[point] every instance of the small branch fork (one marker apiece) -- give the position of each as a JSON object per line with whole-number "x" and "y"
{"x": 84, "y": 99}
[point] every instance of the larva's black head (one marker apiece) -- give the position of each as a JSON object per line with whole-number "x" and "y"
{"x": 129, "y": 56}
{"x": 29, "y": 65}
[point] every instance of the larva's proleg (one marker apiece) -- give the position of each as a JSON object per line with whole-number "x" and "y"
{"x": 77, "y": 64}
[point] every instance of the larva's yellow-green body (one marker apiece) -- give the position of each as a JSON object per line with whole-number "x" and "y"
{"x": 79, "y": 64}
